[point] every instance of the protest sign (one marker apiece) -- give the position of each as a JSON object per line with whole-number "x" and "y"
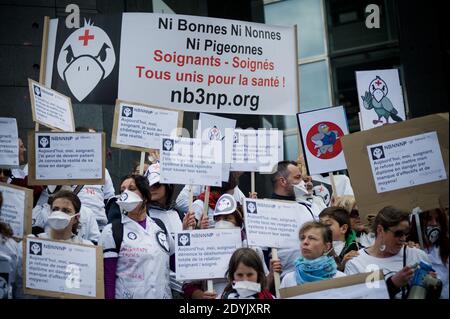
{"x": 321, "y": 132}
{"x": 61, "y": 269}
{"x": 273, "y": 223}
{"x": 426, "y": 191}
{"x": 359, "y": 286}
{"x": 66, "y": 158}
{"x": 51, "y": 108}
{"x": 16, "y": 208}
{"x": 256, "y": 150}
{"x": 204, "y": 254}
{"x": 140, "y": 127}
{"x": 9, "y": 143}
{"x": 212, "y": 127}
{"x": 405, "y": 162}
{"x": 380, "y": 98}
{"x": 190, "y": 161}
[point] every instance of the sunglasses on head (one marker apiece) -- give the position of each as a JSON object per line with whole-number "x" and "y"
{"x": 399, "y": 233}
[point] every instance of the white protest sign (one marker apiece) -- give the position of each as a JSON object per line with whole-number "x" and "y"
{"x": 16, "y": 208}
{"x": 55, "y": 268}
{"x": 51, "y": 108}
{"x": 256, "y": 150}
{"x": 212, "y": 127}
{"x": 321, "y": 132}
{"x": 272, "y": 223}
{"x": 141, "y": 127}
{"x": 208, "y": 65}
{"x": 204, "y": 254}
{"x": 406, "y": 162}
{"x": 359, "y": 286}
{"x": 67, "y": 158}
{"x": 380, "y": 98}
{"x": 9, "y": 142}
{"x": 191, "y": 161}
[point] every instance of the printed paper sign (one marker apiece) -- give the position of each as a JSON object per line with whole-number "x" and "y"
{"x": 142, "y": 127}
{"x": 271, "y": 223}
{"x": 406, "y": 162}
{"x": 321, "y": 132}
{"x": 208, "y": 65}
{"x": 51, "y": 108}
{"x": 205, "y": 254}
{"x": 256, "y": 150}
{"x": 9, "y": 142}
{"x": 191, "y": 161}
{"x": 380, "y": 98}
{"x": 67, "y": 157}
{"x": 59, "y": 267}
{"x": 359, "y": 286}
{"x": 16, "y": 208}
{"x": 211, "y": 127}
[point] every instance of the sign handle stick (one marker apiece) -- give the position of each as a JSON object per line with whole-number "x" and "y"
{"x": 191, "y": 198}
{"x": 141, "y": 165}
{"x": 36, "y": 127}
{"x": 206, "y": 203}
{"x": 209, "y": 285}
{"x": 276, "y": 275}
{"x": 333, "y": 184}
{"x": 252, "y": 177}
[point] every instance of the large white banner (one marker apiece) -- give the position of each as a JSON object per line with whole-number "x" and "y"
{"x": 321, "y": 132}
{"x": 208, "y": 65}
{"x": 380, "y": 98}
{"x": 271, "y": 223}
{"x": 204, "y": 254}
{"x": 406, "y": 162}
{"x": 191, "y": 161}
{"x": 9, "y": 143}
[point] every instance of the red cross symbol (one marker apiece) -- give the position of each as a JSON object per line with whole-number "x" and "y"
{"x": 86, "y": 37}
{"x": 378, "y": 82}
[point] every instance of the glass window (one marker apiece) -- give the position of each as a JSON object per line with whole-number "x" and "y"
{"x": 314, "y": 84}
{"x": 291, "y": 147}
{"x": 307, "y": 15}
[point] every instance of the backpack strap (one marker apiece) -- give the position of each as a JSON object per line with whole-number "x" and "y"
{"x": 117, "y": 232}
{"x": 160, "y": 224}
{"x": 404, "y": 265}
{"x": 77, "y": 189}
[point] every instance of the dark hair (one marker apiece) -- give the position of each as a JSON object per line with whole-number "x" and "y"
{"x": 282, "y": 170}
{"x": 443, "y": 243}
{"x": 233, "y": 181}
{"x": 84, "y": 129}
{"x": 142, "y": 185}
{"x": 389, "y": 216}
{"x": 327, "y": 234}
{"x": 169, "y": 188}
{"x": 340, "y": 215}
{"x": 249, "y": 258}
{"x": 73, "y": 198}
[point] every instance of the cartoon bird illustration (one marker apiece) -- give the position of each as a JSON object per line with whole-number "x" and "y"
{"x": 377, "y": 100}
{"x": 324, "y": 139}
{"x": 86, "y": 57}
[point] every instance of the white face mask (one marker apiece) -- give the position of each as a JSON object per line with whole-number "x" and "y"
{"x": 246, "y": 288}
{"x": 300, "y": 190}
{"x": 338, "y": 246}
{"x": 128, "y": 201}
{"x": 224, "y": 224}
{"x": 59, "y": 220}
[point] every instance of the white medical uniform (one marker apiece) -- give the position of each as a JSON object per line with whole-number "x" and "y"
{"x": 143, "y": 261}
{"x": 9, "y": 259}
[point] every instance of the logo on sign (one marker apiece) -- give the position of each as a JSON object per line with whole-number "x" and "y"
{"x": 37, "y": 90}
{"x": 214, "y": 134}
{"x": 251, "y": 208}
{"x": 127, "y": 111}
{"x": 377, "y": 152}
{"x": 44, "y": 141}
{"x": 86, "y": 58}
{"x": 168, "y": 145}
{"x": 323, "y": 140}
{"x": 184, "y": 239}
{"x": 36, "y": 248}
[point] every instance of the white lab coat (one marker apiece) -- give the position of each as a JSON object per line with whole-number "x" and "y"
{"x": 143, "y": 261}
{"x": 9, "y": 263}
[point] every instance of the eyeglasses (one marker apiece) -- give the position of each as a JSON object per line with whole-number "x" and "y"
{"x": 399, "y": 233}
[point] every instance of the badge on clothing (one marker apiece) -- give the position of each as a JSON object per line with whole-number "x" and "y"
{"x": 161, "y": 238}
{"x": 132, "y": 235}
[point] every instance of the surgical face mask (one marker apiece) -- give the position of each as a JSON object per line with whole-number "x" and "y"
{"x": 433, "y": 233}
{"x": 224, "y": 224}
{"x": 338, "y": 245}
{"x": 128, "y": 201}
{"x": 246, "y": 288}
{"x": 59, "y": 220}
{"x": 300, "y": 189}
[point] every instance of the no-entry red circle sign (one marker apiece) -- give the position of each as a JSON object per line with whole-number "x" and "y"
{"x": 323, "y": 140}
